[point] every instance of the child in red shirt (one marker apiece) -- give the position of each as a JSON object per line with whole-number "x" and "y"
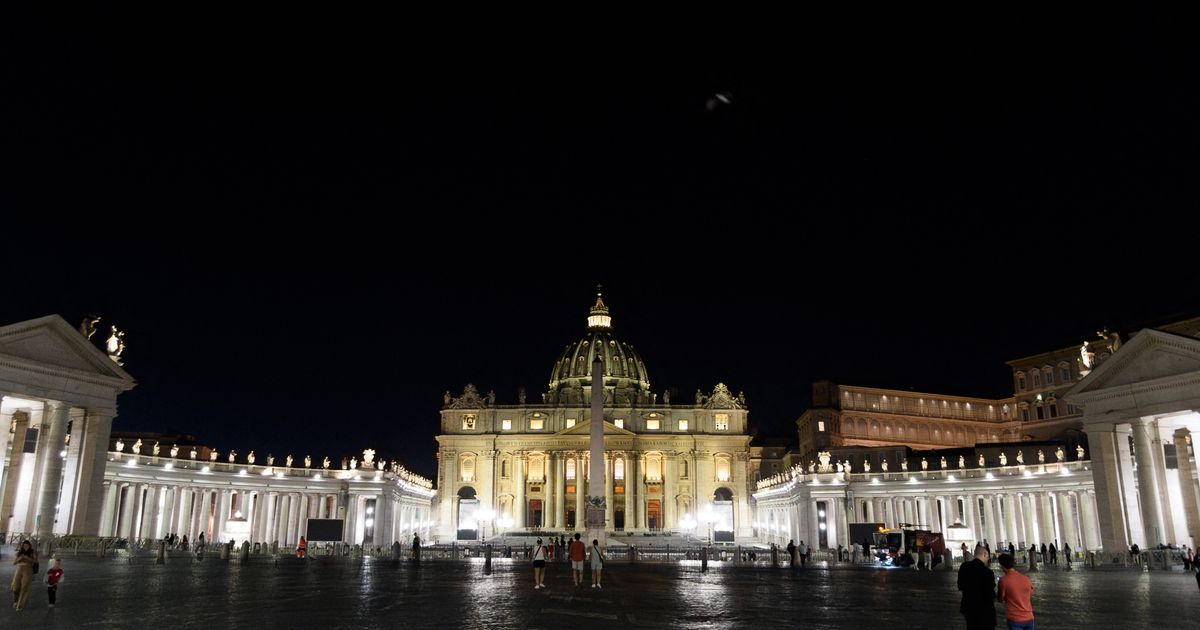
{"x": 53, "y": 577}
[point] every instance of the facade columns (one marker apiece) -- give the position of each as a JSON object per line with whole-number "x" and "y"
{"x": 1027, "y": 511}
{"x": 1045, "y": 518}
{"x": 1187, "y": 486}
{"x": 111, "y": 491}
{"x": 1112, "y": 475}
{"x": 519, "y": 507}
{"x": 610, "y": 509}
{"x": 93, "y": 457}
{"x": 1010, "y": 520}
{"x": 50, "y": 465}
{"x": 202, "y": 524}
{"x": 1152, "y": 500}
{"x": 668, "y": 486}
{"x": 627, "y": 484}
{"x": 1087, "y": 514}
{"x": 552, "y": 491}
{"x": 149, "y": 514}
{"x": 128, "y": 508}
{"x": 222, "y": 516}
{"x": 580, "y": 493}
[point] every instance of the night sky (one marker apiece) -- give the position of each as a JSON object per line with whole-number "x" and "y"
{"x": 310, "y": 234}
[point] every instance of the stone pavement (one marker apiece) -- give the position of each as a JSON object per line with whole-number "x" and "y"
{"x": 372, "y": 593}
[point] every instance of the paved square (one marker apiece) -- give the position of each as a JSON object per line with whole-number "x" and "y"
{"x": 370, "y": 593}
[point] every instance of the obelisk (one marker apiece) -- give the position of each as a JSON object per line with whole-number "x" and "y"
{"x": 595, "y": 488}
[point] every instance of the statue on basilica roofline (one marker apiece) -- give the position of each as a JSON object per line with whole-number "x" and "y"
{"x": 1059, "y": 454}
{"x": 982, "y": 462}
{"x": 270, "y": 459}
{"x": 846, "y": 466}
{"x": 491, "y": 397}
{"x": 446, "y": 399}
{"x": 212, "y": 455}
{"x": 232, "y": 456}
{"x": 250, "y": 457}
{"x": 812, "y": 466}
{"x": 866, "y": 465}
{"x": 288, "y": 460}
{"x": 120, "y": 445}
{"x": 87, "y": 327}
{"x": 1003, "y": 459}
{"x": 325, "y": 464}
{"x": 174, "y": 450}
{"x": 1041, "y": 457}
{"x": 924, "y": 464}
{"x": 353, "y": 463}
{"x": 943, "y": 462}
{"x": 1021, "y": 458}
{"x": 379, "y": 465}
{"x": 884, "y": 464}
{"x": 137, "y": 447}
{"x": 666, "y": 396}
{"x": 155, "y": 449}
{"x": 904, "y": 464}
{"x": 308, "y": 461}
{"x": 700, "y": 398}
{"x": 521, "y": 395}
{"x": 193, "y": 453}
{"x": 962, "y": 461}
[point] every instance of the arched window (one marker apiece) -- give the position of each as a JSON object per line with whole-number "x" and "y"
{"x": 654, "y": 467}
{"x": 619, "y": 468}
{"x": 723, "y": 467}
{"x": 1035, "y": 378}
{"x": 1020, "y": 381}
{"x": 683, "y": 469}
{"x": 504, "y": 468}
{"x": 571, "y": 468}
{"x": 466, "y": 468}
{"x": 1048, "y": 375}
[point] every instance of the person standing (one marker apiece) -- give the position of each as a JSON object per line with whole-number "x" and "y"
{"x": 978, "y": 586}
{"x": 1045, "y": 555}
{"x": 1067, "y": 553}
{"x": 803, "y": 551}
{"x": 577, "y": 554}
{"x": 1016, "y": 591}
{"x": 791, "y": 548}
{"x": 539, "y": 565}
{"x": 1053, "y": 554}
{"x": 597, "y": 563}
{"x": 416, "y": 549}
{"x": 26, "y": 562}
{"x": 53, "y": 578}
{"x": 302, "y": 548}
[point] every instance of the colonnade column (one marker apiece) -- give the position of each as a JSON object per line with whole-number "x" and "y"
{"x": 519, "y": 508}
{"x": 1145, "y": 443}
{"x": 1187, "y": 486}
{"x": 630, "y": 520}
{"x": 1010, "y": 519}
{"x": 111, "y": 490}
{"x": 610, "y": 508}
{"x": 50, "y": 466}
{"x": 1087, "y": 514}
{"x": 580, "y": 493}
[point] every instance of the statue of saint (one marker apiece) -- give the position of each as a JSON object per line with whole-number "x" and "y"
{"x": 1021, "y": 457}
{"x": 325, "y": 464}
{"x": 353, "y": 463}
{"x": 1078, "y": 452}
{"x": 982, "y": 463}
{"x": 741, "y": 398}
{"x": 1041, "y": 457}
{"x": 904, "y": 465}
{"x": 1112, "y": 339}
{"x": 812, "y": 466}
{"x": 521, "y": 395}
{"x": 924, "y": 464}
{"x": 1086, "y": 356}
{"x": 943, "y": 462}
{"x": 137, "y": 447}
{"x": 379, "y": 465}
{"x": 88, "y": 327}
{"x": 232, "y": 456}
{"x": 193, "y": 453}
{"x": 155, "y": 450}
{"x": 700, "y": 397}
{"x": 666, "y": 396}
{"x": 446, "y": 399}
{"x": 308, "y": 461}
{"x": 212, "y": 455}
{"x": 884, "y": 464}
{"x": 846, "y": 465}
{"x": 1059, "y": 454}
{"x": 250, "y": 457}
{"x": 866, "y": 465}
{"x": 120, "y": 445}
{"x": 962, "y": 461}
{"x": 174, "y": 450}
{"x": 288, "y": 460}
{"x": 115, "y": 345}
{"x": 1003, "y": 459}
{"x": 839, "y": 467}
{"x": 491, "y": 397}
{"x": 368, "y": 457}
{"x": 270, "y": 459}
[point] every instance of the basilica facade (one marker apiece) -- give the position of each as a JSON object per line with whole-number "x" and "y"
{"x": 524, "y": 467}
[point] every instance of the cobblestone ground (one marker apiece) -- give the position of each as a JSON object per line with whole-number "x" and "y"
{"x": 344, "y": 593}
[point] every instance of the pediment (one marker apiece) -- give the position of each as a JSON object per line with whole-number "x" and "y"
{"x": 1151, "y": 355}
{"x": 50, "y": 342}
{"x": 585, "y": 428}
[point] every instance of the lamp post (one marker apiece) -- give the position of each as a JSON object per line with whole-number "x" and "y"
{"x": 687, "y": 523}
{"x": 484, "y": 516}
{"x": 710, "y": 517}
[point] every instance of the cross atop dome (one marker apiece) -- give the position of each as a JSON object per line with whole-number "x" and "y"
{"x": 599, "y": 317}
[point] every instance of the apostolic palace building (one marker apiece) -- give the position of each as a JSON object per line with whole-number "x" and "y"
{"x": 1093, "y": 450}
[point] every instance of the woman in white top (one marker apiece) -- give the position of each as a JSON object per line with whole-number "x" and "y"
{"x": 597, "y": 563}
{"x": 539, "y": 565}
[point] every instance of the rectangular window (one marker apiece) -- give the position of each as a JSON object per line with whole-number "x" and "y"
{"x": 1064, "y": 374}
{"x": 722, "y": 421}
{"x": 506, "y": 425}
{"x": 31, "y": 436}
{"x": 570, "y": 422}
{"x": 619, "y": 423}
{"x": 820, "y": 425}
{"x": 468, "y": 422}
{"x": 1054, "y": 411}
{"x": 683, "y": 425}
{"x": 652, "y": 424}
{"x": 1041, "y": 413}
{"x": 1049, "y": 377}
{"x": 536, "y": 424}
{"x": 1024, "y": 414}
{"x": 571, "y": 469}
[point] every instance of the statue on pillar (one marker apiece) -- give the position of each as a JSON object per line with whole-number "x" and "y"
{"x": 521, "y": 395}
{"x": 270, "y": 459}
{"x": 137, "y": 447}
{"x": 812, "y": 466}
{"x": 1003, "y": 459}
{"x": 353, "y": 463}
{"x": 193, "y": 453}
{"x": 325, "y": 464}
{"x": 232, "y": 456}
{"x": 174, "y": 450}
{"x": 250, "y": 457}
{"x": 446, "y": 399}
{"x": 1086, "y": 358}
{"x": 866, "y": 465}
{"x": 115, "y": 345}
{"x": 87, "y": 327}
{"x": 368, "y": 457}
{"x": 379, "y": 465}
{"x": 700, "y": 398}
{"x": 287, "y": 461}
{"x": 1059, "y": 454}
{"x": 1041, "y": 457}
{"x": 884, "y": 464}
{"x": 962, "y": 462}
{"x": 924, "y": 465}
{"x": 982, "y": 462}
{"x": 943, "y": 462}
{"x": 155, "y": 449}
{"x": 308, "y": 461}
{"x": 904, "y": 464}
{"x": 741, "y": 398}
{"x": 1111, "y": 338}
{"x": 1021, "y": 458}
{"x": 491, "y": 397}
{"x": 1079, "y": 451}
{"x": 666, "y": 396}
{"x": 212, "y": 455}
{"x": 846, "y": 466}
{"x": 120, "y": 445}
{"x": 839, "y": 467}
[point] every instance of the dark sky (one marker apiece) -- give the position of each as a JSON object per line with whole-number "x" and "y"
{"x": 311, "y": 233}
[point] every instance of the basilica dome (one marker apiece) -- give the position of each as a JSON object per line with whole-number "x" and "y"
{"x": 625, "y": 379}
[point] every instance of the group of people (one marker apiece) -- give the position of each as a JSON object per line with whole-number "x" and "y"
{"x": 576, "y": 552}
{"x": 797, "y": 553}
{"x": 981, "y": 591}
{"x": 27, "y": 565}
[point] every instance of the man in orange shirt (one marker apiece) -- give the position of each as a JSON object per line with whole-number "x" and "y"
{"x": 1015, "y": 591}
{"x": 578, "y": 553}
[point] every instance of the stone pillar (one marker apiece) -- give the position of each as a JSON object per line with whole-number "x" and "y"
{"x": 1045, "y": 518}
{"x": 183, "y": 512}
{"x": 203, "y": 523}
{"x": 552, "y": 492}
{"x": 814, "y": 530}
{"x": 1066, "y": 521}
{"x": 303, "y": 516}
{"x": 69, "y": 504}
{"x": 995, "y": 524}
{"x": 169, "y": 497}
{"x": 128, "y": 509}
{"x": 1152, "y": 501}
{"x": 281, "y": 518}
{"x": 1112, "y": 475}
{"x": 12, "y": 475}
{"x": 112, "y": 490}
{"x": 93, "y": 458}
{"x": 1028, "y": 505}
{"x": 222, "y": 515}
{"x": 1010, "y": 520}
{"x": 50, "y": 465}
{"x": 610, "y": 506}
{"x": 580, "y": 493}
{"x": 668, "y": 485}
{"x": 1087, "y": 514}
{"x": 1161, "y": 436}
{"x": 629, "y": 484}
{"x": 294, "y": 518}
{"x": 1187, "y": 486}
{"x": 149, "y": 514}
{"x": 519, "y": 507}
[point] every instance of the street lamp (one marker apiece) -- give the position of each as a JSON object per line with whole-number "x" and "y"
{"x": 710, "y": 517}
{"x": 687, "y": 523}
{"x": 504, "y": 522}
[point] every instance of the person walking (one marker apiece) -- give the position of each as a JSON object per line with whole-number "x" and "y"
{"x": 803, "y": 551}
{"x": 26, "y": 562}
{"x": 1067, "y": 553}
{"x": 577, "y": 554}
{"x": 597, "y": 563}
{"x": 1053, "y": 554}
{"x": 791, "y": 548}
{"x": 1016, "y": 591}
{"x": 539, "y": 565}
{"x": 978, "y": 586}
{"x": 302, "y": 548}
{"x": 965, "y": 552}
{"x": 53, "y": 578}
{"x": 1045, "y": 556}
